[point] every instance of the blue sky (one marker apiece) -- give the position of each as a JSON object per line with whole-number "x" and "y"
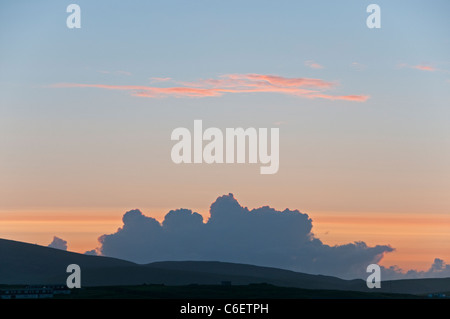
{"x": 127, "y": 44}
{"x": 95, "y": 148}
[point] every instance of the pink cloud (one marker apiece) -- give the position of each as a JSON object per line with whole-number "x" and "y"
{"x": 356, "y": 98}
{"x": 176, "y": 92}
{"x": 424, "y": 67}
{"x": 147, "y": 91}
{"x": 155, "y": 79}
{"x": 290, "y": 82}
{"x": 314, "y": 65}
{"x": 229, "y": 84}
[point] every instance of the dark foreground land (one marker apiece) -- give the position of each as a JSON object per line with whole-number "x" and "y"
{"x": 44, "y": 271}
{"x": 252, "y": 291}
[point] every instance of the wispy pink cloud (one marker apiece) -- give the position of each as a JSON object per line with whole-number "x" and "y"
{"x": 229, "y": 84}
{"x": 314, "y": 65}
{"x": 156, "y": 79}
{"x": 356, "y": 98}
{"x": 424, "y": 67}
{"x": 146, "y": 91}
{"x": 421, "y": 67}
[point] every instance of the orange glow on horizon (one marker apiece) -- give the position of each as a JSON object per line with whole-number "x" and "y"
{"x": 417, "y": 239}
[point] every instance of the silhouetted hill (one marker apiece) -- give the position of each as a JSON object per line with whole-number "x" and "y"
{"x": 244, "y": 274}
{"x": 33, "y": 264}
{"x": 23, "y": 263}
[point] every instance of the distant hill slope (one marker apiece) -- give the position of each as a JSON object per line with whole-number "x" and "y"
{"x": 23, "y": 263}
{"x": 244, "y": 273}
{"x": 29, "y": 263}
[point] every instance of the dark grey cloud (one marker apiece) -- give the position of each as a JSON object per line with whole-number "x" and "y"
{"x": 58, "y": 243}
{"x": 438, "y": 269}
{"x": 233, "y": 233}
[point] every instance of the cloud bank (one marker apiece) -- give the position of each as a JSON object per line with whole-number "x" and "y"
{"x": 229, "y": 84}
{"x": 438, "y": 269}
{"x": 233, "y": 233}
{"x": 58, "y": 243}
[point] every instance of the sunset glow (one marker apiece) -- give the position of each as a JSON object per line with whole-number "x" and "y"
{"x": 360, "y": 114}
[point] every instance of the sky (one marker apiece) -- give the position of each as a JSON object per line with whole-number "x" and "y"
{"x": 86, "y": 117}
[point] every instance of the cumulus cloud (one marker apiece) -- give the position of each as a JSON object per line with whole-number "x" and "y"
{"x": 229, "y": 84}
{"x": 233, "y": 233}
{"x": 58, "y": 243}
{"x": 438, "y": 269}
